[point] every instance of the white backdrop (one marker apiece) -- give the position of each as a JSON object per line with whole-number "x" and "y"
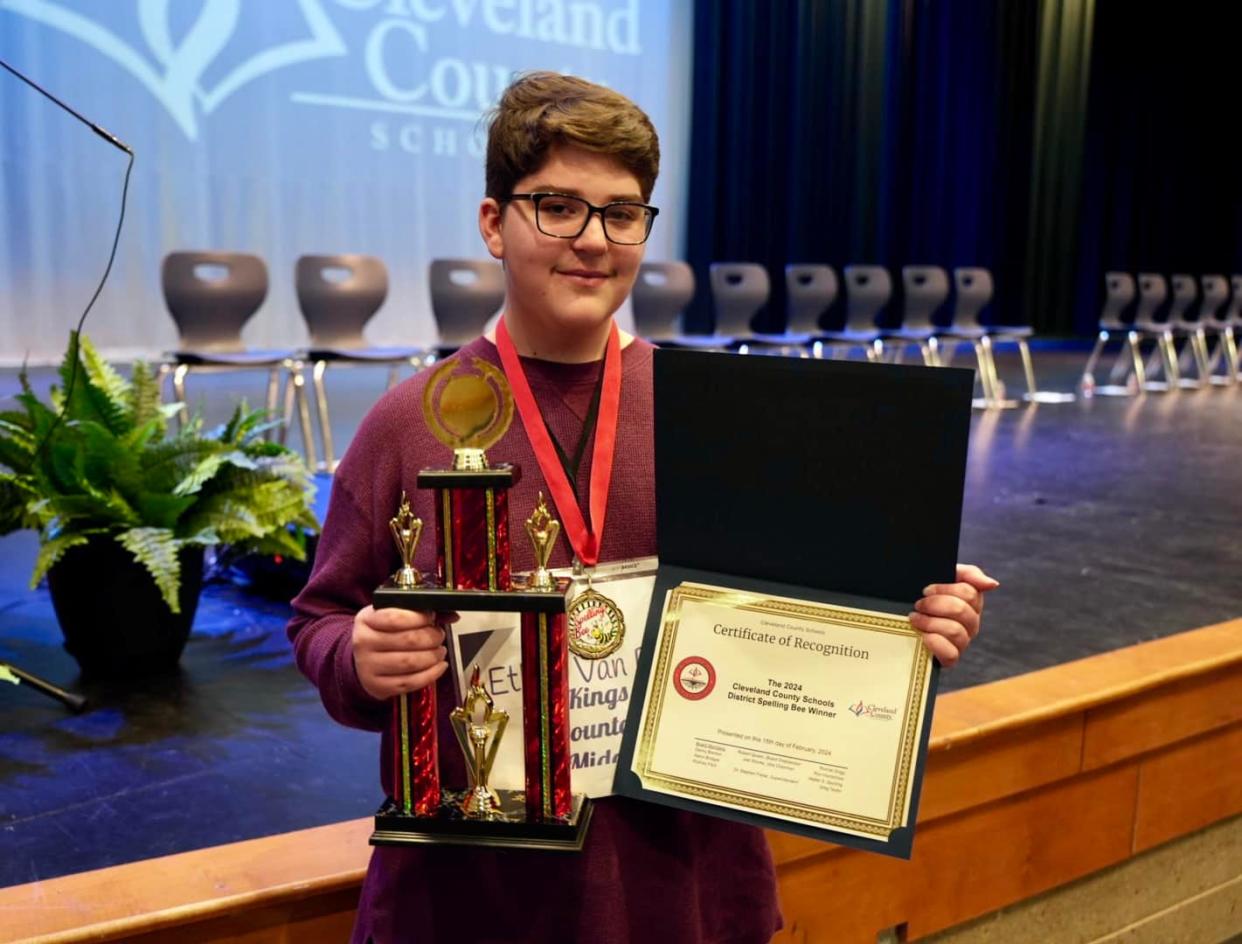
{"x": 283, "y": 127}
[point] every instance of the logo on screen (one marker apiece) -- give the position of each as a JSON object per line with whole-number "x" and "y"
{"x": 172, "y": 70}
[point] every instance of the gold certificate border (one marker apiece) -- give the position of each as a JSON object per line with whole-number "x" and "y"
{"x": 670, "y": 620}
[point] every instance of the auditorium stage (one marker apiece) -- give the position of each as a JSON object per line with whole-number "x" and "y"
{"x": 1109, "y": 522}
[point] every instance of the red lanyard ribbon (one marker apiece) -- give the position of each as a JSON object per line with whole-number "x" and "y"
{"x": 585, "y": 542}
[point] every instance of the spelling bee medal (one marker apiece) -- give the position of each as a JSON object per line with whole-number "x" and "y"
{"x": 596, "y": 626}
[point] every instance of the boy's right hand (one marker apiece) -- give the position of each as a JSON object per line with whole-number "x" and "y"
{"x": 397, "y": 651}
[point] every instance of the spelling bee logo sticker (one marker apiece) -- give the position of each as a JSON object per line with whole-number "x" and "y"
{"x": 694, "y": 678}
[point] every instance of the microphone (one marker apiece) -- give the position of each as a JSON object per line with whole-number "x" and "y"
{"x": 98, "y": 129}
{"x": 11, "y": 673}
{"x": 116, "y": 238}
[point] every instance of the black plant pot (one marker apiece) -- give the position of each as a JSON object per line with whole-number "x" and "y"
{"x": 115, "y": 622}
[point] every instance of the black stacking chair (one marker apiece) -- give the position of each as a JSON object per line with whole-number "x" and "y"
{"x": 972, "y": 292}
{"x": 1194, "y": 351}
{"x": 926, "y": 288}
{"x": 868, "y": 288}
{"x": 661, "y": 294}
{"x": 739, "y": 290}
{"x": 1182, "y": 295}
{"x": 1153, "y": 292}
{"x": 1119, "y": 296}
{"x": 211, "y": 296}
{"x": 810, "y": 290}
{"x": 1226, "y": 329}
{"x": 338, "y": 295}
{"x": 465, "y": 294}
{"x": 1020, "y": 334}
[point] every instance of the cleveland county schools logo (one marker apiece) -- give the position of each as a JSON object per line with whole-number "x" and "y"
{"x": 875, "y": 712}
{"x": 694, "y": 678}
{"x": 173, "y": 71}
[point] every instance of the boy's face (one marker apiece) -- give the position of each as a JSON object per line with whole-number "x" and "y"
{"x": 555, "y": 286}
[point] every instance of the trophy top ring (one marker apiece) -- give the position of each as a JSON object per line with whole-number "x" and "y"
{"x": 467, "y": 404}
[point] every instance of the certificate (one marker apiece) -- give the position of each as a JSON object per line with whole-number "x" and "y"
{"x": 801, "y": 507}
{"x": 804, "y": 712}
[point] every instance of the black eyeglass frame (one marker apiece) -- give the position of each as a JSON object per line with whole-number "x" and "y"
{"x": 539, "y": 196}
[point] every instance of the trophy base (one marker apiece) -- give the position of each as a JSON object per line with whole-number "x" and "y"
{"x": 511, "y": 829}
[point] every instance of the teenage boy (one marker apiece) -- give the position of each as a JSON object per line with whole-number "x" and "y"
{"x": 570, "y": 170}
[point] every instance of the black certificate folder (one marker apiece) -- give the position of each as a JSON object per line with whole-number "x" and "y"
{"x": 814, "y": 480}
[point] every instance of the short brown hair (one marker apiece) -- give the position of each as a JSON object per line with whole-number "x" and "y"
{"x": 542, "y": 109}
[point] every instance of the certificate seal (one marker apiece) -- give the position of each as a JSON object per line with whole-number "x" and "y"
{"x": 596, "y": 626}
{"x": 694, "y": 678}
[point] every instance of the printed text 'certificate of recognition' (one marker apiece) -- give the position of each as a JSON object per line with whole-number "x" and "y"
{"x": 796, "y": 710}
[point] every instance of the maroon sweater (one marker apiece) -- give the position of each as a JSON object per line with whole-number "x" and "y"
{"x": 647, "y": 873}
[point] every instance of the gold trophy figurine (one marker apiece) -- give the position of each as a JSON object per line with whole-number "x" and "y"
{"x": 543, "y": 530}
{"x": 479, "y": 726}
{"x": 406, "y": 530}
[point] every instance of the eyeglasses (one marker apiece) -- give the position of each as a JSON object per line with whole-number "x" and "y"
{"x": 565, "y": 217}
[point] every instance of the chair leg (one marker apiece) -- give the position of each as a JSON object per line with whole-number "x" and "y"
{"x": 1184, "y": 355}
{"x": 1155, "y": 366}
{"x": 394, "y": 374}
{"x": 273, "y": 394}
{"x": 989, "y": 398}
{"x": 1198, "y": 342}
{"x": 1231, "y": 356}
{"x": 1214, "y": 357}
{"x": 1033, "y": 393}
{"x": 1122, "y": 363}
{"x": 179, "y": 392}
{"x": 1170, "y": 355}
{"x": 288, "y": 395}
{"x": 1136, "y": 356}
{"x": 1183, "y": 360}
{"x": 1028, "y": 368}
{"x": 304, "y": 420}
{"x": 875, "y": 351}
{"x": 163, "y": 371}
{"x": 928, "y": 354}
{"x": 998, "y": 388}
{"x": 1088, "y": 372}
{"x": 325, "y": 425}
{"x": 1117, "y": 373}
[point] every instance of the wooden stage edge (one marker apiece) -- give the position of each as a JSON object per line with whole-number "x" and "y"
{"x": 1032, "y": 782}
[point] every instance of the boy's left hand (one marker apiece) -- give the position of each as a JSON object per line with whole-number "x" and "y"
{"x": 949, "y": 614}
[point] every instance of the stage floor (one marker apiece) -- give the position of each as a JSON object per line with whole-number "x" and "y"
{"x": 1108, "y": 521}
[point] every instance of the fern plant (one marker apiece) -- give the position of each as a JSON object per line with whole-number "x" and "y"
{"x": 112, "y": 467}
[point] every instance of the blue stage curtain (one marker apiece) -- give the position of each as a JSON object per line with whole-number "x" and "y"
{"x": 1162, "y": 192}
{"x": 890, "y": 132}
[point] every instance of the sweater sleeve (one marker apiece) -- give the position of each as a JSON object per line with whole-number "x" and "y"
{"x": 347, "y": 569}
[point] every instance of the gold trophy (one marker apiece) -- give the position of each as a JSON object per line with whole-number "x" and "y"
{"x": 406, "y": 530}
{"x": 543, "y": 530}
{"x": 468, "y": 406}
{"x": 479, "y": 726}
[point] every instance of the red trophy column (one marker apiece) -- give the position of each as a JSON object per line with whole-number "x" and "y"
{"x": 472, "y": 553}
{"x": 545, "y": 716}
